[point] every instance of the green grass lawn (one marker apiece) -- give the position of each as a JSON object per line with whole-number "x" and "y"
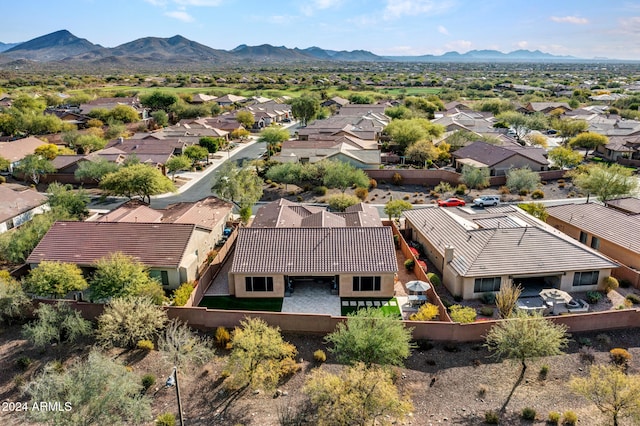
{"x": 388, "y": 306}
{"x": 233, "y": 303}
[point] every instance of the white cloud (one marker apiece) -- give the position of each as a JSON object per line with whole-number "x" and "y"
{"x": 460, "y": 46}
{"x": 198, "y": 2}
{"x": 570, "y": 20}
{"x": 311, "y": 7}
{"x": 522, "y": 44}
{"x": 443, "y": 30}
{"x": 630, "y": 25}
{"x": 398, "y": 8}
{"x": 159, "y": 3}
{"x": 180, "y": 15}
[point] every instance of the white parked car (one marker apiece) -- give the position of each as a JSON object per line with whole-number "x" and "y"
{"x": 487, "y": 200}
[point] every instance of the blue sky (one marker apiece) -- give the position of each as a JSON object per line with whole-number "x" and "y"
{"x": 581, "y": 28}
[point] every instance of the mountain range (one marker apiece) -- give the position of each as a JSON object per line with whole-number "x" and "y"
{"x": 65, "y": 48}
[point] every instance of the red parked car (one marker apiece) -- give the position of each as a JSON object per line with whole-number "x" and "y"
{"x": 451, "y": 202}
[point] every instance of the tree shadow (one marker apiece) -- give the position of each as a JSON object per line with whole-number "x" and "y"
{"x": 503, "y": 409}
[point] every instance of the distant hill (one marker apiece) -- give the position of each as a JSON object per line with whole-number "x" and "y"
{"x": 7, "y": 46}
{"x": 62, "y": 49}
{"x": 52, "y": 47}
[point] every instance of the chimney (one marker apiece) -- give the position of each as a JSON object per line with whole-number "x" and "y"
{"x": 448, "y": 253}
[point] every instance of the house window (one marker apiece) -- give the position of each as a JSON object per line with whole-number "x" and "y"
{"x": 366, "y": 283}
{"x": 585, "y": 278}
{"x": 161, "y": 276}
{"x": 595, "y": 243}
{"x": 483, "y": 285}
{"x": 258, "y": 283}
{"x": 583, "y": 237}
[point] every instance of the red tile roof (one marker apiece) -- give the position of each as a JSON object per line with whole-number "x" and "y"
{"x": 83, "y": 243}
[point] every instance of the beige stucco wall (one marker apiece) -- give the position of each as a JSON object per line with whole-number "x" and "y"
{"x": 239, "y": 290}
{"x": 386, "y": 286}
{"x": 517, "y": 162}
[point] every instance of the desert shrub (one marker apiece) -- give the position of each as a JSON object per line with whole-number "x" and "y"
{"x": 446, "y": 302}
{"x": 146, "y": 345}
{"x": 633, "y": 298}
{"x": 604, "y": 339}
{"x": 211, "y": 255}
{"x": 570, "y": 418}
{"x": 320, "y": 190}
{"x": 488, "y": 298}
{"x": 361, "y": 193}
{"x": 491, "y": 417}
{"x": 486, "y": 311}
{"x": 461, "y": 189}
{"x": 427, "y": 312}
{"x": 181, "y": 294}
{"x": 320, "y": 356}
{"x": 482, "y": 391}
{"x": 528, "y": 413}
{"x": 126, "y": 321}
{"x": 409, "y": 264}
{"x": 147, "y": 381}
{"x": 373, "y": 184}
{"x": 593, "y": 297}
{"x": 561, "y": 185}
{"x": 457, "y": 298}
{"x": 523, "y": 192}
{"x": 537, "y": 194}
{"x": 504, "y": 190}
{"x": 406, "y": 197}
{"x": 544, "y": 371}
{"x": 554, "y": 418}
{"x": 166, "y": 419}
{"x": 299, "y": 198}
{"x": 560, "y": 181}
{"x": 23, "y": 362}
{"x": 424, "y": 344}
{"x": 620, "y": 356}
{"x": 462, "y": 314}
{"x": 397, "y": 179}
{"x": 609, "y": 283}
{"x": 624, "y": 283}
{"x": 434, "y": 278}
{"x": 3, "y": 180}
{"x": 587, "y": 355}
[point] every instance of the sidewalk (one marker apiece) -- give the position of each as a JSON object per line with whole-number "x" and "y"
{"x": 194, "y": 177}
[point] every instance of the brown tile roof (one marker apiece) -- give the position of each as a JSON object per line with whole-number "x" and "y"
{"x": 493, "y": 154}
{"x": 323, "y": 219}
{"x": 83, "y": 243}
{"x": 283, "y": 213}
{"x": 205, "y": 213}
{"x": 133, "y": 211}
{"x": 629, "y": 205}
{"x": 13, "y": 203}
{"x": 18, "y": 149}
{"x": 314, "y": 250}
{"x": 604, "y": 222}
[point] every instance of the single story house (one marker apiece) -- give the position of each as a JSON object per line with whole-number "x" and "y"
{"x": 360, "y": 153}
{"x": 500, "y": 159}
{"x": 18, "y": 207}
{"x": 16, "y": 150}
{"x": 621, "y": 147}
{"x": 479, "y": 250}
{"x": 350, "y": 252}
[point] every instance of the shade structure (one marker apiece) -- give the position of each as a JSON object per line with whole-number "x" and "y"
{"x": 417, "y": 285}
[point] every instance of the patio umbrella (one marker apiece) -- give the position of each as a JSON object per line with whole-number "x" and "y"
{"x": 417, "y": 285}
{"x": 554, "y": 296}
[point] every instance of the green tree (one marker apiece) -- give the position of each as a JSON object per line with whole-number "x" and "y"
{"x": 342, "y": 175}
{"x": 615, "y": 393}
{"x": 161, "y": 118}
{"x": 159, "y": 100}
{"x": 245, "y": 118}
{"x": 360, "y": 99}
{"x": 421, "y": 152}
{"x": 522, "y": 124}
{"x": 34, "y": 167}
{"x": 14, "y": 302}
{"x": 305, "y": 108}
{"x": 287, "y": 173}
{"x": 115, "y": 129}
{"x": 372, "y": 337}
{"x": 108, "y": 394}
{"x": 119, "y": 275}
{"x": 124, "y": 113}
{"x": 569, "y": 128}
{"x": 565, "y": 157}
{"x": 63, "y": 197}
{"x": 56, "y": 324}
{"x": 588, "y": 140}
{"x": 522, "y": 179}
{"x": 259, "y": 357}
{"x": 85, "y": 144}
{"x": 48, "y": 151}
{"x": 55, "y": 278}
{"x": 536, "y": 210}
{"x": 407, "y": 132}
{"x": 180, "y": 346}
{"x": 605, "y": 181}
{"x": 340, "y": 202}
{"x": 95, "y": 170}
{"x": 138, "y": 180}
{"x": 127, "y": 320}
{"x": 399, "y": 112}
{"x": 475, "y": 177}
{"x": 240, "y": 134}
{"x": 177, "y": 163}
{"x": 273, "y": 136}
{"x": 395, "y": 208}
{"x": 16, "y": 245}
{"x": 240, "y": 186}
{"x": 359, "y": 395}
{"x": 196, "y": 153}
{"x": 4, "y": 163}
{"x": 212, "y": 144}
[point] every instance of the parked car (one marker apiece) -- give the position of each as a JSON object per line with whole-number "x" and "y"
{"x": 487, "y": 200}
{"x": 451, "y": 202}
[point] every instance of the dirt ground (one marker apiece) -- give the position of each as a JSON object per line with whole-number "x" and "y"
{"x": 448, "y": 383}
